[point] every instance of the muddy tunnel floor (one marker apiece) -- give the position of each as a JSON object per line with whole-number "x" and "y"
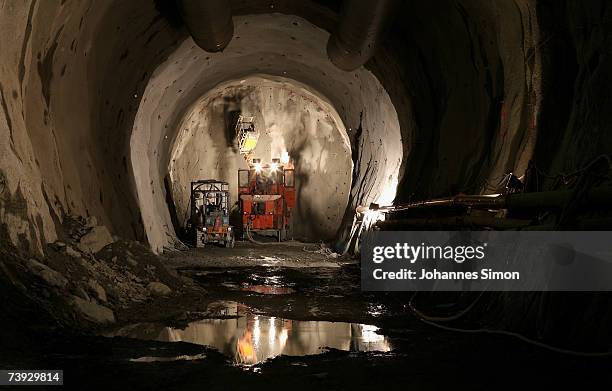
{"x": 289, "y": 316}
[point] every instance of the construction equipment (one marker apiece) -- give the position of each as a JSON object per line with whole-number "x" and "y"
{"x": 209, "y": 220}
{"x": 247, "y": 135}
{"x": 267, "y": 197}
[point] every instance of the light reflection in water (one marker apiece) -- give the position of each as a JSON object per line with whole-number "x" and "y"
{"x": 250, "y": 338}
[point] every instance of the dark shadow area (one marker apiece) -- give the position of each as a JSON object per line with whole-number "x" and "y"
{"x": 178, "y": 226}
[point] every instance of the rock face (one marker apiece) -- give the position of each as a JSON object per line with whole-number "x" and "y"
{"x": 72, "y": 252}
{"x": 159, "y": 289}
{"x": 50, "y": 276}
{"x": 93, "y": 312}
{"x": 97, "y": 290}
{"x": 95, "y": 240}
{"x": 290, "y": 118}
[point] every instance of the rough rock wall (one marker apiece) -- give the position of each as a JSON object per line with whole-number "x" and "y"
{"x": 66, "y": 78}
{"x": 38, "y": 158}
{"x": 471, "y": 71}
{"x": 547, "y": 65}
{"x": 575, "y": 120}
{"x": 292, "y": 120}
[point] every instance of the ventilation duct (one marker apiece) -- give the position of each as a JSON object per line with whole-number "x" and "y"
{"x": 209, "y": 22}
{"x": 362, "y": 25}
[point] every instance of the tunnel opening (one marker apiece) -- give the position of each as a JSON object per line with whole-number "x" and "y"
{"x": 293, "y": 56}
{"x": 294, "y": 122}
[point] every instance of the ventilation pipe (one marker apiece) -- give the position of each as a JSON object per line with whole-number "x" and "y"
{"x": 362, "y": 26}
{"x": 209, "y": 22}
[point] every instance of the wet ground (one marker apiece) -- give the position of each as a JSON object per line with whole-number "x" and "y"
{"x": 286, "y": 254}
{"x": 291, "y": 316}
{"x": 247, "y": 338}
{"x": 294, "y": 281}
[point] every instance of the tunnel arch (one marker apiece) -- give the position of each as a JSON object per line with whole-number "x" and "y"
{"x": 293, "y": 120}
{"x": 477, "y": 105}
{"x": 289, "y": 47}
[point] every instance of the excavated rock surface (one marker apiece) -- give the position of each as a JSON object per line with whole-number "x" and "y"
{"x": 95, "y": 240}
{"x": 290, "y": 120}
{"x": 83, "y": 288}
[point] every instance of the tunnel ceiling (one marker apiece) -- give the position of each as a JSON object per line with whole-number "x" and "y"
{"x": 478, "y": 89}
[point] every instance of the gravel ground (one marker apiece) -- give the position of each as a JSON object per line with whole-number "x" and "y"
{"x": 247, "y": 254}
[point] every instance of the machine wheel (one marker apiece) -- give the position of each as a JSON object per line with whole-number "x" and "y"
{"x": 229, "y": 243}
{"x": 199, "y": 240}
{"x": 203, "y": 240}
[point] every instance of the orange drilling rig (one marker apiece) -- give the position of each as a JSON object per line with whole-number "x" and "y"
{"x": 266, "y": 192}
{"x": 267, "y": 197}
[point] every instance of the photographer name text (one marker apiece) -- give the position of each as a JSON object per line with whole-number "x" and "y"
{"x": 411, "y": 254}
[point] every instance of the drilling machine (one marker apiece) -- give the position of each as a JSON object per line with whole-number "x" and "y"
{"x": 267, "y": 197}
{"x": 266, "y": 191}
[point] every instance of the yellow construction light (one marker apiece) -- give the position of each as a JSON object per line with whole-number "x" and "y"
{"x": 249, "y": 145}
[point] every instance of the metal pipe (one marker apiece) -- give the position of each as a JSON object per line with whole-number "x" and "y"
{"x": 455, "y": 221}
{"x": 209, "y": 22}
{"x": 600, "y": 197}
{"x": 582, "y": 224}
{"x": 596, "y": 197}
{"x": 474, "y": 201}
{"x": 361, "y": 28}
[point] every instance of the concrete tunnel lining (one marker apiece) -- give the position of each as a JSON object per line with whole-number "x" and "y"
{"x": 276, "y": 45}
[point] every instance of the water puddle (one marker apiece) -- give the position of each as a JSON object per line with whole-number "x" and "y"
{"x": 269, "y": 289}
{"x": 169, "y": 359}
{"x": 270, "y": 261}
{"x": 250, "y": 338}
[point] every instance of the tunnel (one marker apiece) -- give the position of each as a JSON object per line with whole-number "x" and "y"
{"x": 294, "y": 57}
{"x": 322, "y": 206}
{"x": 385, "y": 117}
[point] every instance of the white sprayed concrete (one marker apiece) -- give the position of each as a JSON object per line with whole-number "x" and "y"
{"x": 290, "y": 119}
